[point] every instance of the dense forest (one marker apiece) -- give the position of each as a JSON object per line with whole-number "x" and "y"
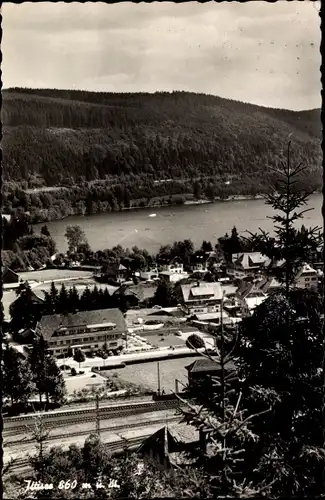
{"x": 115, "y": 151}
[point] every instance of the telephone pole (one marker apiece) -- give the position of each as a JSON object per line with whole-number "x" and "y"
{"x": 97, "y": 416}
{"x": 158, "y": 378}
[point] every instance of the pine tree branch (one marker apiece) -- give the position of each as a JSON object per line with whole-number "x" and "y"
{"x": 248, "y": 419}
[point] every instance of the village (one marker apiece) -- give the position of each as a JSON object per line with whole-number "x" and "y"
{"x": 209, "y": 290}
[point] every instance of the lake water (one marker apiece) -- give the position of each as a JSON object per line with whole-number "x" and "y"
{"x": 197, "y": 222}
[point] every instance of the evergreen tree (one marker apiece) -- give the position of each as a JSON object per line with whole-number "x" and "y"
{"x": 17, "y": 377}
{"x": 46, "y": 374}
{"x": 24, "y": 311}
{"x": 55, "y": 385}
{"x": 165, "y": 295}
{"x": 79, "y": 356}
{"x": 73, "y": 299}
{"x": 85, "y": 300}
{"x": 287, "y": 199}
{"x": 54, "y": 295}
{"x": 206, "y": 246}
{"x": 63, "y": 300}
{"x": 226, "y": 431}
{"x": 281, "y": 363}
{"x": 48, "y": 306}
{"x": 107, "y": 299}
{"x": 37, "y": 361}
{"x": 94, "y": 298}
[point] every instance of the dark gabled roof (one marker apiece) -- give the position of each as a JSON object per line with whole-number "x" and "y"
{"x": 206, "y": 365}
{"x": 203, "y": 365}
{"x": 180, "y": 433}
{"x": 144, "y": 292}
{"x": 49, "y": 323}
{"x": 115, "y": 268}
{"x": 171, "y": 312}
{"x": 246, "y": 288}
{"x": 125, "y": 291}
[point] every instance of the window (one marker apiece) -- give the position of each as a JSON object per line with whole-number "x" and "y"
{"x": 314, "y": 278}
{"x": 306, "y": 279}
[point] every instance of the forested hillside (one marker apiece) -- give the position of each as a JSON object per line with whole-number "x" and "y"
{"x": 114, "y": 148}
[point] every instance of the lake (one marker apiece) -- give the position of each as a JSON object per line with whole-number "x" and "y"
{"x": 171, "y": 223}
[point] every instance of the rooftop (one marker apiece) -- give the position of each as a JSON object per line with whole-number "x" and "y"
{"x": 183, "y": 433}
{"x": 306, "y": 268}
{"x": 197, "y": 291}
{"x": 212, "y": 315}
{"x": 250, "y": 259}
{"x": 203, "y": 365}
{"x": 50, "y": 323}
{"x": 253, "y": 302}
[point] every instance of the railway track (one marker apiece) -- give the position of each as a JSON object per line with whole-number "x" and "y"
{"x": 102, "y": 429}
{"x": 68, "y": 417}
{"x": 21, "y": 466}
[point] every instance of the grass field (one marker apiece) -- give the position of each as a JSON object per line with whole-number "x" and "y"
{"x": 145, "y": 374}
{"x": 163, "y": 340}
{"x": 54, "y": 274}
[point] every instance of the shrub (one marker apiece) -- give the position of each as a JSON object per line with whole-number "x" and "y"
{"x": 195, "y": 341}
{"x": 73, "y": 371}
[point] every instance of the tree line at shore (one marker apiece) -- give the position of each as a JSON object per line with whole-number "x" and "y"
{"x": 113, "y": 195}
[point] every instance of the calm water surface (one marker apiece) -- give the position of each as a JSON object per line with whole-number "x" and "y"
{"x": 197, "y": 222}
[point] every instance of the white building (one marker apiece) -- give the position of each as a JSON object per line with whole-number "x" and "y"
{"x": 150, "y": 275}
{"x": 173, "y": 273}
{"x": 201, "y": 298}
{"x": 199, "y": 267}
{"x": 306, "y": 277}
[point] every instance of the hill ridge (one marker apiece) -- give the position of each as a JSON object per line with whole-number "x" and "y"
{"x": 39, "y": 91}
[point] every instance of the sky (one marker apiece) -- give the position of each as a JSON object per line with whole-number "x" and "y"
{"x": 259, "y": 52}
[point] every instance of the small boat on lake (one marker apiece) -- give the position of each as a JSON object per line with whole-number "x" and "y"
{"x": 152, "y": 215}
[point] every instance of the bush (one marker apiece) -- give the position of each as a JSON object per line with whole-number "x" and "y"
{"x": 73, "y": 371}
{"x": 195, "y": 341}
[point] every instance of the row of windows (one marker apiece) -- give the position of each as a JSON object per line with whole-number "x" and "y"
{"x": 202, "y": 303}
{"x": 84, "y": 339}
{"x": 86, "y": 330}
{"x": 86, "y": 347}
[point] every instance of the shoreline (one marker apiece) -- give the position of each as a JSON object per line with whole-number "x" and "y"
{"x": 162, "y": 205}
